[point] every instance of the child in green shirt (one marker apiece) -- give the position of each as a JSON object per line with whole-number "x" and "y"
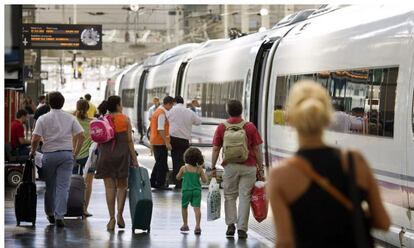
{"x": 191, "y": 186}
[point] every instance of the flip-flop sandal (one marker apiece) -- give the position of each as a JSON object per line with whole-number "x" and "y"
{"x": 197, "y": 231}
{"x": 184, "y": 229}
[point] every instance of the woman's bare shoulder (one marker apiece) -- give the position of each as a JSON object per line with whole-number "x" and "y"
{"x": 283, "y": 170}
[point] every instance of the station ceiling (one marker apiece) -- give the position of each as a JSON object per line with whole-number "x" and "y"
{"x": 151, "y": 28}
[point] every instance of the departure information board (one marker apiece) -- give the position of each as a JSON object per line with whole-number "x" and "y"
{"x": 62, "y": 36}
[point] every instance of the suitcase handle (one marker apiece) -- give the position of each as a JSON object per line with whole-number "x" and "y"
{"x": 28, "y": 172}
{"x": 79, "y": 167}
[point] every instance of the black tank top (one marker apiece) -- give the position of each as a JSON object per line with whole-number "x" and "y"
{"x": 319, "y": 220}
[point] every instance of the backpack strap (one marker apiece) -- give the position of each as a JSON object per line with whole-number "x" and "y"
{"x": 304, "y": 166}
{"x": 111, "y": 120}
{"x": 239, "y": 125}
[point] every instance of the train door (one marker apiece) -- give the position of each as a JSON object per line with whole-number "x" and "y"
{"x": 180, "y": 77}
{"x": 141, "y": 104}
{"x": 257, "y": 82}
{"x": 259, "y": 90}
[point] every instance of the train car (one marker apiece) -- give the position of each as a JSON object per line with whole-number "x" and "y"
{"x": 162, "y": 76}
{"x": 364, "y": 58}
{"x": 157, "y": 76}
{"x": 363, "y": 55}
{"x": 112, "y": 84}
{"x": 128, "y": 91}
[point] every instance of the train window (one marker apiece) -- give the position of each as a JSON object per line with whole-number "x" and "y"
{"x": 364, "y": 98}
{"x": 159, "y": 92}
{"x": 214, "y": 96}
{"x": 127, "y": 97}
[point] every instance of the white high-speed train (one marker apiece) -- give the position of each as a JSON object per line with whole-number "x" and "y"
{"x": 363, "y": 55}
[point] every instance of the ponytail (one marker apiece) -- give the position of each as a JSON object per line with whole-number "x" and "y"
{"x": 103, "y": 108}
{"x": 82, "y": 107}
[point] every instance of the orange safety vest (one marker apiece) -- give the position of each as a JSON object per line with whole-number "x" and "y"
{"x": 155, "y": 138}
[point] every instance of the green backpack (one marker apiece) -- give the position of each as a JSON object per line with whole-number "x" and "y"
{"x": 235, "y": 148}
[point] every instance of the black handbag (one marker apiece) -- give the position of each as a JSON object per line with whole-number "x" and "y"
{"x": 360, "y": 222}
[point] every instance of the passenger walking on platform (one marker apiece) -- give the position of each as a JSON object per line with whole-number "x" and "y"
{"x": 82, "y": 107}
{"x": 30, "y": 108}
{"x": 181, "y": 120}
{"x": 155, "y": 105}
{"x": 239, "y": 177}
{"x": 160, "y": 142}
{"x": 114, "y": 159}
{"x": 322, "y": 208}
{"x": 195, "y": 107}
{"x": 190, "y": 175}
{"x": 62, "y": 137}
{"x": 90, "y": 166}
{"x": 92, "y": 108}
{"x": 151, "y": 110}
{"x": 41, "y": 110}
{"x": 102, "y": 109}
{"x": 42, "y": 101}
{"x": 18, "y": 141}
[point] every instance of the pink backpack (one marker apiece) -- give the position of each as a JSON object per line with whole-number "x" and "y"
{"x": 102, "y": 130}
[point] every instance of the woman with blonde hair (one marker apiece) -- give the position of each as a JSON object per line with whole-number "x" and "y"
{"x": 322, "y": 208}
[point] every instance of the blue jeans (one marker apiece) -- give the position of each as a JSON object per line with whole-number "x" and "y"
{"x": 57, "y": 167}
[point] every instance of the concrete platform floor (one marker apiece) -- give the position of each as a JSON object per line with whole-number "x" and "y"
{"x": 91, "y": 232}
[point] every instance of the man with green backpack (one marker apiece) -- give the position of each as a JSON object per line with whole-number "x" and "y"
{"x": 242, "y": 157}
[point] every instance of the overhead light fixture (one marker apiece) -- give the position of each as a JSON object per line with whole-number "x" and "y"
{"x": 134, "y": 7}
{"x": 264, "y": 12}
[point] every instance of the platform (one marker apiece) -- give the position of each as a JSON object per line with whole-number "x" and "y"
{"x": 91, "y": 232}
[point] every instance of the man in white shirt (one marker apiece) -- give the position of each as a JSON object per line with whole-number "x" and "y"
{"x": 62, "y": 137}
{"x": 181, "y": 121}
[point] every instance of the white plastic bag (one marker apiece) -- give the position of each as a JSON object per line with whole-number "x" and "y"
{"x": 213, "y": 200}
{"x": 38, "y": 159}
{"x": 91, "y": 159}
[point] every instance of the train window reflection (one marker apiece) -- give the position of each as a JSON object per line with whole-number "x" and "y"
{"x": 213, "y": 96}
{"x": 127, "y": 97}
{"x": 159, "y": 92}
{"x": 364, "y": 99}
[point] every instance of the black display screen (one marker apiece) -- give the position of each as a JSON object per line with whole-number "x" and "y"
{"x": 62, "y": 36}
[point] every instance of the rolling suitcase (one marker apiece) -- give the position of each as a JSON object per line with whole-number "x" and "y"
{"x": 25, "y": 201}
{"x": 140, "y": 198}
{"x": 76, "y": 197}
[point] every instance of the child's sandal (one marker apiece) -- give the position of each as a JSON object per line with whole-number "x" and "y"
{"x": 197, "y": 231}
{"x": 184, "y": 229}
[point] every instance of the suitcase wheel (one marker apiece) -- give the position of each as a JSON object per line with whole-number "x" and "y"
{"x": 149, "y": 230}
{"x": 18, "y": 223}
{"x": 33, "y": 223}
